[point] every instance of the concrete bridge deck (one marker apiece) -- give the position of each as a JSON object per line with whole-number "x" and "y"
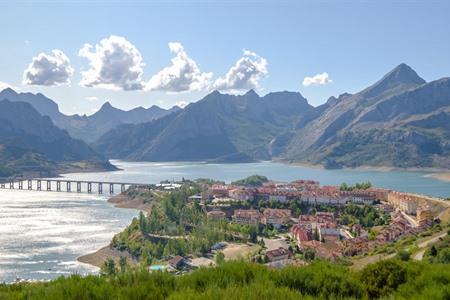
{"x": 65, "y": 185}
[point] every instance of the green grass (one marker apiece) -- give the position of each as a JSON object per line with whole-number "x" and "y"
{"x": 391, "y": 279}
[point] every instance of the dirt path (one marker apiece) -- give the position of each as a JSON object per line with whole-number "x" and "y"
{"x": 419, "y": 255}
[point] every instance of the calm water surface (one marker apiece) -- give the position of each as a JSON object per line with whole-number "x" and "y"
{"x": 42, "y": 233}
{"x": 138, "y": 172}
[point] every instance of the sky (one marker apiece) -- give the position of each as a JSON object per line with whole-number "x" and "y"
{"x": 143, "y": 53}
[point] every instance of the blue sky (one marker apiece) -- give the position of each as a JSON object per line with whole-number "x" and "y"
{"x": 354, "y": 42}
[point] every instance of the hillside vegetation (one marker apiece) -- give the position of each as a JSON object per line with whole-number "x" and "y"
{"x": 391, "y": 279}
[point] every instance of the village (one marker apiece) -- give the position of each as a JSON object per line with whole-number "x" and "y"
{"x": 301, "y": 220}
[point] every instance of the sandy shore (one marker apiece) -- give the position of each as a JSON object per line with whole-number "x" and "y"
{"x": 123, "y": 201}
{"x": 98, "y": 257}
{"x": 445, "y": 176}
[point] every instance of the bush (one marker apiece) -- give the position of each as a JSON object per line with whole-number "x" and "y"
{"x": 403, "y": 255}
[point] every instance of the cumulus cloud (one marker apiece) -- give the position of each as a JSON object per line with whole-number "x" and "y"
{"x": 319, "y": 79}
{"x": 183, "y": 75}
{"x": 48, "y": 69}
{"x": 245, "y": 74}
{"x": 115, "y": 64}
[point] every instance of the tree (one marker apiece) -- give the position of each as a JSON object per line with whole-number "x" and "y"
{"x": 433, "y": 251}
{"x": 123, "y": 264}
{"x": 316, "y": 234}
{"x": 220, "y": 258}
{"x": 253, "y": 233}
{"x": 382, "y": 278}
{"x": 109, "y": 267}
{"x": 309, "y": 255}
{"x": 403, "y": 255}
{"x": 142, "y": 222}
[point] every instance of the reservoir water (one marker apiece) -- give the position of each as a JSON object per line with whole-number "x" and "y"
{"x": 43, "y": 233}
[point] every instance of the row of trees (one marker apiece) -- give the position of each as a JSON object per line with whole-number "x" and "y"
{"x": 357, "y": 186}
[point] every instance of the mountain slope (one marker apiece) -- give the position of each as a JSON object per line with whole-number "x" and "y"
{"x": 30, "y": 142}
{"x": 219, "y": 126}
{"x": 399, "y": 121}
{"x": 87, "y": 128}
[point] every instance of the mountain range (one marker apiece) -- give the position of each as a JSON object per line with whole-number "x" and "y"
{"x": 31, "y": 143}
{"x": 87, "y": 128}
{"x": 399, "y": 121}
{"x": 219, "y": 127}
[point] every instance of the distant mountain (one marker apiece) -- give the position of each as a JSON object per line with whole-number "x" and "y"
{"x": 90, "y": 128}
{"x": 87, "y": 128}
{"x": 400, "y": 121}
{"x": 30, "y": 142}
{"x": 219, "y": 127}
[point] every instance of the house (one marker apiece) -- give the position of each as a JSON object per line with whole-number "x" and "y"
{"x": 241, "y": 194}
{"x": 359, "y": 196}
{"x": 278, "y": 254}
{"x": 276, "y": 217}
{"x": 355, "y": 246}
{"x": 300, "y": 235}
{"x": 247, "y": 216}
{"x": 177, "y": 262}
{"x": 219, "y": 191}
{"x": 332, "y": 233}
{"x": 424, "y": 217}
{"x": 277, "y": 198}
{"x": 216, "y": 215}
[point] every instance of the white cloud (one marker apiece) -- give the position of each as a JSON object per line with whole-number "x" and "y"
{"x": 319, "y": 79}
{"x": 183, "y": 75}
{"x": 245, "y": 74}
{"x": 115, "y": 64}
{"x": 4, "y": 85}
{"x": 48, "y": 69}
{"x": 92, "y": 98}
{"x": 182, "y": 104}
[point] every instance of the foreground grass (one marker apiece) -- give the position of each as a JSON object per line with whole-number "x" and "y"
{"x": 390, "y": 279}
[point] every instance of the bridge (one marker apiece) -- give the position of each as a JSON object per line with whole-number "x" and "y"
{"x": 66, "y": 185}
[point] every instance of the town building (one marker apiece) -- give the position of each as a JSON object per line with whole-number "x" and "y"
{"x": 278, "y": 254}
{"x": 425, "y": 217}
{"x": 177, "y": 262}
{"x": 241, "y": 194}
{"x": 216, "y": 215}
{"x": 219, "y": 191}
{"x": 247, "y": 216}
{"x": 276, "y": 217}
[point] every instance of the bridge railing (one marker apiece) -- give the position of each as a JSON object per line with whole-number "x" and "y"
{"x": 66, "y": 185}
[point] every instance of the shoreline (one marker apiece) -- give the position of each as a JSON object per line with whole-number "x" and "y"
{"x": 442, "y": 176}
{"x": 98, "y": 257}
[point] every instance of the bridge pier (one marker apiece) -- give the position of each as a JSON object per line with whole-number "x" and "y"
{"x": 46, "y": 184}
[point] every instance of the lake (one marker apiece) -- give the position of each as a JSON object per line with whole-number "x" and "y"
{"x": 42, "y": 233}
